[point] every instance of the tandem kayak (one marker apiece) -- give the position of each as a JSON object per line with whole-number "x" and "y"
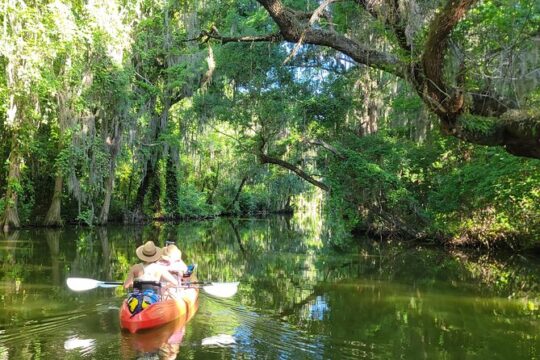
{"x": 161, "y": 312}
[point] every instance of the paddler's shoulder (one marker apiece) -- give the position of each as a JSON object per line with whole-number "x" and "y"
{"x": 137, "y": 268}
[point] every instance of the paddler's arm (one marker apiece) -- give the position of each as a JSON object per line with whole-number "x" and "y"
{"x": 178, "y": 267}
{"x": 133, "y": 273}
{"x": 167, "y": 276}
{"x": 183, "y": 266}
{"x": 129, "y": 280}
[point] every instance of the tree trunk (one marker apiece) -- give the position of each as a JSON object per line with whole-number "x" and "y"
{"x": 10, "y": 216}
{"x": 237, "y": 196}
{"x": 155, "y": 192}
{"x": 65, "y": 121}
{"x": 109, "y": 187}
{"x": 114, "y": 147}
{"x": 136, "y": 215}
{"x": 171, "y": 188}
{"x": 54, "y": 217}
{"x": 143, "y": 188}
{"x": 287, "y": 208}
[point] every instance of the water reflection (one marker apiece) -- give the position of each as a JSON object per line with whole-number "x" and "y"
{"x": 164, "y": 341}
{"x": 297, "y": 299}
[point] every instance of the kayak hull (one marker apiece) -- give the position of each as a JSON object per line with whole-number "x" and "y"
{"x": 160, "y": 313}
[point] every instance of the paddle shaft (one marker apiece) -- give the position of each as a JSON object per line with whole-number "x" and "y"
{"x": 187, "y": 284}
{"x": 223, "y": 290}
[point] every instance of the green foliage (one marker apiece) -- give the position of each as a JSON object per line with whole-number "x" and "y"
{"x": 171, "y": 189}
{"x": 192, "y": 203}
{"x": 438, "y": 190}
{"x": 483, "y": 126}
{"x": 86, "y": 217}
{"x": 120, "y": 91}
{"x": 489, "y": 197}
{"x": 371, "y": 188}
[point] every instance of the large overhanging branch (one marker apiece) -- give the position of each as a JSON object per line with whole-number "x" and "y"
{"x": 442, "y": 100}
{"x": 265, "y": 159}
{"x": 515, "y": 130}
{"x": 325, "y": 146}
{"x": 294, "y": 26}
{"x": 214, "y": 34}
{"x": 518, "y": 131}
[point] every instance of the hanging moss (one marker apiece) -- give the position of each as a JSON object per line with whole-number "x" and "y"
{"x": 171, "y": 188}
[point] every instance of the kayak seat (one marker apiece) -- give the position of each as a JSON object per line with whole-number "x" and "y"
{"x": 142, "y": 285}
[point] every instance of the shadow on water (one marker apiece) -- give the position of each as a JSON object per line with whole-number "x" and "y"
{"x": 297, "y": 300}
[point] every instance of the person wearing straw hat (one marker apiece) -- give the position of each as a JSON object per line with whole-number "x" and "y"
{"x": 149, "y": 269}
{"x": 171, "y": 258}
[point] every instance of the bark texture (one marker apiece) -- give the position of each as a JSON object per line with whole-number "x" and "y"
{"x": 10, "y": 216}
{"x": 54, "y": 216}
{"x": 113, "y": 142}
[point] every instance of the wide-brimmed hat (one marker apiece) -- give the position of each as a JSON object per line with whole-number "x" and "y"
{"x": 149, "y": 252}
{"x": 171, "y": 252}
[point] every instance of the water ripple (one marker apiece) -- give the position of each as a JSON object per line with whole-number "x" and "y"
{"x": 33, "y": 328}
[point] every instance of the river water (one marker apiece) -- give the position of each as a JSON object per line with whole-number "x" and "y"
{"x": 298, "y": 298}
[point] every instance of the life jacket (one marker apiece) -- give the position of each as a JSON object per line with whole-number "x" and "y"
{"x": 145, "y": 293}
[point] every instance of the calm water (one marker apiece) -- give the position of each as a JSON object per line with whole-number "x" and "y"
{"x": 297, "y": 298}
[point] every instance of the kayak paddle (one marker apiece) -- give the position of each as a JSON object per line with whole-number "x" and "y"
{"x": 217, "y": 289}
{"x": 221, "y": 289}
{"x": 83, "y": 284}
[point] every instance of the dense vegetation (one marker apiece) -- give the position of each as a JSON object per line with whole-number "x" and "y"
{"x": 376, "y": 114}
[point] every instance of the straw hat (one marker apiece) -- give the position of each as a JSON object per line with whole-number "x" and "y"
{"x": 171, "y": 253}
{"x": 149, "y": 252}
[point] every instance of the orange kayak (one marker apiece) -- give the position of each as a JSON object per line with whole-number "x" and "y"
{"x": 160, "y": 313}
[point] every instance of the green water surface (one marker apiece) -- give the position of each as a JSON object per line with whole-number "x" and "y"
{"x": 297, "y": 299}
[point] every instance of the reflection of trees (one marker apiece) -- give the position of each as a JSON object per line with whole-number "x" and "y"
{"x": 234, "y": 228}
{"x": 105, "y": 253}
{"x": 10, "y": 241}
{"x": 379, "y": 301}
{"x": 21, "y": 259}
{"x": 53, "y": 237}
{"x": 86, "y": 261}
{"x": 421, "y": 303}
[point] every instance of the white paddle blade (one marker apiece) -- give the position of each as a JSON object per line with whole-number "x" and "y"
{"x": 222, "y": 290}
{"x": 82, "y": 284}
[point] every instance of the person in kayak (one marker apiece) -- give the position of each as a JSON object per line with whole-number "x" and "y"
{"x": 147, "y": 278}
{"x": 149, "y": 270}
{"x": 171, "y": 258}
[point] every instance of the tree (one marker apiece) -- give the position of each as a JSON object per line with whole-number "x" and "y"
{"x": 72, "y": 77}
{"x": 23, "y": 47}
{"x": 438, "y": 58}
{"x": 168, "y": 70}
